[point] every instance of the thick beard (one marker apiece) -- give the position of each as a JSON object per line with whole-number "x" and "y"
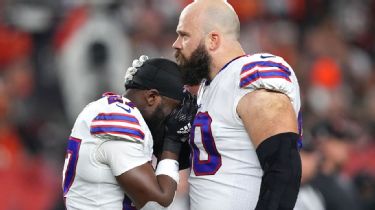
{"x": 197, "y": 67}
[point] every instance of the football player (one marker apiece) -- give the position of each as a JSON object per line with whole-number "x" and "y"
{"x": 245, "y": 136}
{"x": 109, "y": 153}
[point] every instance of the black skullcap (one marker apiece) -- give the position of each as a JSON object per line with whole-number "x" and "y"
{"x": 160, "y": 74}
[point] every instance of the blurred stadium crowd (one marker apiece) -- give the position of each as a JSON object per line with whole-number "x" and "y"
{"x": 56, "y": 56}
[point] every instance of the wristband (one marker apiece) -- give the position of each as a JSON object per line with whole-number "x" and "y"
{"x": 168, "y": 167}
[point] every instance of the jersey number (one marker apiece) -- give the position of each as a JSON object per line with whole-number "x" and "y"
{"x": 212, "y": 164}
{"x": 71, "y": 160}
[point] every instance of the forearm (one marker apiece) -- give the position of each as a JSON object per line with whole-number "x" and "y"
{"x": 143, "y": 185}
{"x": 167, "y": 191}
{"x": 281, "y": 164}
{"x": 167, "y": 178}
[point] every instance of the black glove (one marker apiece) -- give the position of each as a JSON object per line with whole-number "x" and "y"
{"x": 178, "y": 124}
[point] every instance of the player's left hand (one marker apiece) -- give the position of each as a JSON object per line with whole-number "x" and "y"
{"x": 179, "y": 123}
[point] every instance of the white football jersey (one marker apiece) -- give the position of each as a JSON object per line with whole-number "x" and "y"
{"x": 226, "y": 173}
{"x": 109, "y": 138}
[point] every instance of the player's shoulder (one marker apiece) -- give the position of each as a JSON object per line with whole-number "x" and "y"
{"x": 263, "y": 69}
{"x": 115, "y": 117}
{"x": 266, "y": 71}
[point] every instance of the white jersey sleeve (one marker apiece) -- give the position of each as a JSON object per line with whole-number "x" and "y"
{"x": 119, "y": 127}
{"x": 113, "y": 153}
{"x": 267, "y": 71}
{"x": 117, "y": 121}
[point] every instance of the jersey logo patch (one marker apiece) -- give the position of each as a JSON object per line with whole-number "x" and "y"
{"x": 253, "y": 71}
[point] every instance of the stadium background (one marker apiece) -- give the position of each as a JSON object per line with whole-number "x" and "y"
{"x": 57, "y": 55}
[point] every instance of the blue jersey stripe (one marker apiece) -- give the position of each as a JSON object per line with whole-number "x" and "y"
{"x": 263, "y": 74}
{"x": 121, "y": 130}
{"x": 250, "y": 66}
{"x": 121, "y": 117}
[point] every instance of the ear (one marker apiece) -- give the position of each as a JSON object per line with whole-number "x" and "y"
{"x": 213, "y": 40}
{"x": 152, "y": 97}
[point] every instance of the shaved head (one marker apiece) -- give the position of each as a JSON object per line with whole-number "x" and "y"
{"x": 214, "y": 15}
{"x": 208, "y": 38}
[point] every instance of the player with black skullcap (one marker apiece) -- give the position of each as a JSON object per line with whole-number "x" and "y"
{"x": 108, "y": 162}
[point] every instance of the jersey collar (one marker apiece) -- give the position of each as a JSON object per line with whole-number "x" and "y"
{"x": 207, "y": 81}
{"x": 225, "y": 66}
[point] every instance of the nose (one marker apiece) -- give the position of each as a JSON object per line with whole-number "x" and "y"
{"x": 177, "y": 43}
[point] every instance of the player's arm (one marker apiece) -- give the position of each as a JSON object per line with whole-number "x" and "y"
{"x": 142, "y": 185}
{"x": 149, "y": 190}
{"x": 270, "y": 121}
